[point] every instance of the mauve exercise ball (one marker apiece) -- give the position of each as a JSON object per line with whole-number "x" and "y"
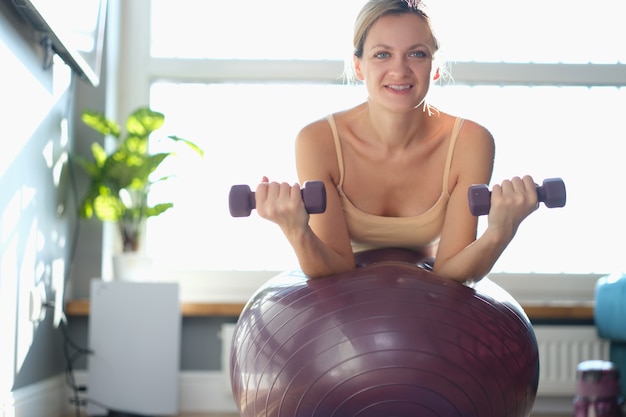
{"x": 385, "y": 340}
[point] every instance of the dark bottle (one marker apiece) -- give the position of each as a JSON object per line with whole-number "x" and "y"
{"x": 597, "y": 390}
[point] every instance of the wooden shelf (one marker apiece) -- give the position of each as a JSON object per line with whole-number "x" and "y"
{"x": 211, "y": 309}
{"x": 79, "y": 308}
{"x": 535, "y": 312}
{"x": 561, "y": 312}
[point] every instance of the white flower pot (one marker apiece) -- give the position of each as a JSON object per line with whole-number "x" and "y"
{"x": 132, "y": 266}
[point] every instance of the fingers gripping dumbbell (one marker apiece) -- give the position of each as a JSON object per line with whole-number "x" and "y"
{"x": 551, "y": 193}
{"x": 241, "y": 200}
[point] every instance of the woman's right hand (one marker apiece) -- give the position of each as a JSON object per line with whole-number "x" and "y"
{"x": 282, "y": 204}
{"x": 511, "y": 202}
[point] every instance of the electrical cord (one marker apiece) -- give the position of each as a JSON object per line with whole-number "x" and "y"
{"x": 70, "y": 360}
{"x": 71, "y": 350}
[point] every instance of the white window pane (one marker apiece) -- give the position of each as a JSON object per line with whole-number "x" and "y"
{"x": 574, "y": 133}
{"x": 569, "y": 31}
{"x": 247, "y": 131}
{"x": 252, "y": 29}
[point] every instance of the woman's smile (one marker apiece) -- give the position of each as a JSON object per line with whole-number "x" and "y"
{"x": 399, "y": 88}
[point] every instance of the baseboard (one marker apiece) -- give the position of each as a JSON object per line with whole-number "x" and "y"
{"x": 209, "y": 392}
{"x": 43, "y": 399}
{"x": 548, "y": 405}
{"x": 200, "y": 392}
{"x": 205, "y": 392}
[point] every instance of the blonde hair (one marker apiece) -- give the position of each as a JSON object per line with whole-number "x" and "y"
{"x": 374, "y": 10}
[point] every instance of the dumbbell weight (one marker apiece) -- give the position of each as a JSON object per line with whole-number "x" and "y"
{"x": 241, "y": 199}
{"x": 551, "y": 193}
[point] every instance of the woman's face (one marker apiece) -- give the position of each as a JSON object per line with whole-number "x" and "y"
{"x": 397, "y": 61}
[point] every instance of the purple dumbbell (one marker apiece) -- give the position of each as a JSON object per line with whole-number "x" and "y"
{"x": 551, "y": 193}
{"x": 241, "y": 199}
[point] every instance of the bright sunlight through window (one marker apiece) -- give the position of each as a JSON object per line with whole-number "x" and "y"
{"x": 247, "y": 127}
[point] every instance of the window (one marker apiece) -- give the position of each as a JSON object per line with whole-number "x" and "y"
{"x": 247, "y": 131}
{"x": 568, "y": 31}
{"x": 242, "y": 77}
{"x": 248, "y": 29}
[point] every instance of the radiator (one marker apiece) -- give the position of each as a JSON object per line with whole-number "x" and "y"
{"x": 561, "y": 349}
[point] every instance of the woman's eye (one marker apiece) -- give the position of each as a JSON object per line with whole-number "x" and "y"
{"x": 419, "y": 54}
{"x": 381, "y": 55}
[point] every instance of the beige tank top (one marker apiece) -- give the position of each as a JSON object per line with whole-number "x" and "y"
{"x": 368, "y": 231}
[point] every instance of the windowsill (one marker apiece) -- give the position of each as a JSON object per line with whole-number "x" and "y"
{"x": 238, "y": 286}
{"x": 225, "y": 293}
{"x": 78, "y": 308}
{"x": 535, "y": 311}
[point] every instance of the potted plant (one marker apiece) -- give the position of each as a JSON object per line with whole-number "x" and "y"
{"x": 120, "y": 181}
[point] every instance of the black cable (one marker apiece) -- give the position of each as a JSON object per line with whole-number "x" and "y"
{"x": 70, "y": 359}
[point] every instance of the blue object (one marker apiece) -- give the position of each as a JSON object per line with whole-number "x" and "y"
{"x": 610, "y": 307}
{"x": 610, "y": 319}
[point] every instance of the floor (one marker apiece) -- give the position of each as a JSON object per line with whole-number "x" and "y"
{"x": 236, "y": 415}
{"x": 208, "y": 415}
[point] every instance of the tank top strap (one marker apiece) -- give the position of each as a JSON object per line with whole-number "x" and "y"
{"x": 333, "y": 127}
{"x": 455, "y": 134}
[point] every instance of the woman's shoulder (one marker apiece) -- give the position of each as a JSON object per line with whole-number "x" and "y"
{"x": 474, "y": 151}
{"x": 471, "y": 133}
{"x": 316, "y": 141}
{"x": 315, "y": 133}
{"x": 473, "y": 142}
{"x": 316, "y": 126}
{"x": 316, "y": 153}
{"x": 475, "y": 135}
{"x": 322, "y": 129}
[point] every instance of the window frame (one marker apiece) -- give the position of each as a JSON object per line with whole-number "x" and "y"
{"x": 136, "y": 70}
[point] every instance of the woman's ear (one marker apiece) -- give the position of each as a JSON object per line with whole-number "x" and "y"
{"x": 357, "y": 68}
{"x": 437, "y": 75}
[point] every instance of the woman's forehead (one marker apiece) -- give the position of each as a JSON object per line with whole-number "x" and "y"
{"x": 406, "y": 28}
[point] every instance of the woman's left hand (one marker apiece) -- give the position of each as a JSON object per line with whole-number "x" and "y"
{"x": 511, "y": 202}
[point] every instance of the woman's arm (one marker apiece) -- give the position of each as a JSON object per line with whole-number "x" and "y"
{"x": 320, "y": 241}
{"x": 461, "y": 256}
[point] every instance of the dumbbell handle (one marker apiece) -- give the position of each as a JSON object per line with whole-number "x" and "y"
{"x": 242, "y": 200}
{"x": 551, "y": 193}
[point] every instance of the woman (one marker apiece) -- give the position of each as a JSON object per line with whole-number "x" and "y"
{"x": 396, "y": 170}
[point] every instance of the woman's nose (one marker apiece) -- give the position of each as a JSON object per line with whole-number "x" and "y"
{"x": 399, "y": 65}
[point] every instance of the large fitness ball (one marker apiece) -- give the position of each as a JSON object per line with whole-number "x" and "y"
{"x": 385, "y": 340}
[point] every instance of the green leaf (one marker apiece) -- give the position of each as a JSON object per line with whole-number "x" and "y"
{"x": 86, "y": 208}
{"x": 88, "y": 166}
{"x": 108, "y": 207}
{"x": 153, "y": 161}
{"x": 120, "y": 181}
{"x": 137, "y": 144}
{"x": 164, "y": 178}
{"x": 100, "y": 123}
{"x": 99, "y": 154}
{"x": 192, "y": 145}
{"x": 144, "y": 121}
{"x": 123, "y": 169}
{"x": 158, "y": 209}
